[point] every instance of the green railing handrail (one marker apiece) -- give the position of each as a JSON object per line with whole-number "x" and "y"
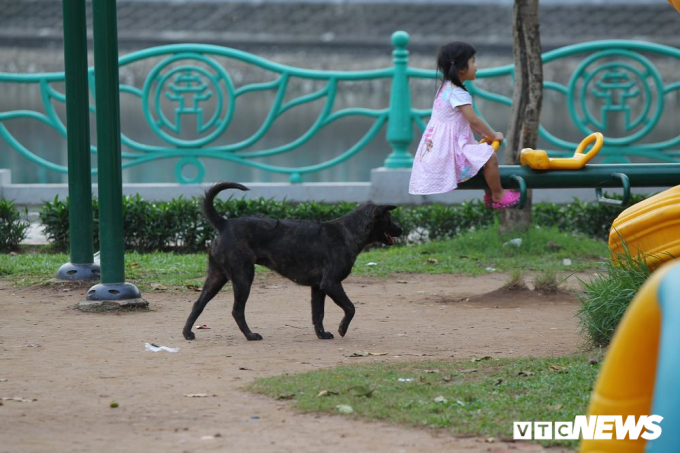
{"x": 187, "y": 70}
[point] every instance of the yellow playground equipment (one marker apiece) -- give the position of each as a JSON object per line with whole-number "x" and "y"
{"x": 538, "y": 159}
{"x": 675, "y": 4}
{"x": 651, "y": 228}
{"x": 640, "y": 373}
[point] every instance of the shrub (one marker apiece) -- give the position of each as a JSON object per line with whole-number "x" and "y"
{"x": 593, "y": 219}
{"x": 179, "y": 224}
{"x": 443, "y": 221}
{"x": 54, "y": 218}
{"x": 13, "y": 229}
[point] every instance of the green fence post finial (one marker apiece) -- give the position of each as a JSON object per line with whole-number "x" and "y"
{"x": 400, "y": 127}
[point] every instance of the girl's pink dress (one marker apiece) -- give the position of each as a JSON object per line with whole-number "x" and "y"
{"x": 448, "y": 153}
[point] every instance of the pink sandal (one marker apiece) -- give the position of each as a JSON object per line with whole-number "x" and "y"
{"x": 487, "y": 200}
{"x": 510, "y": 199}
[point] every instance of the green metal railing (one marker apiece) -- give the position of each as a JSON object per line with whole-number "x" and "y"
{"x": 612, "y": 75}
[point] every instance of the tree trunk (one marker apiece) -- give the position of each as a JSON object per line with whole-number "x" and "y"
{"x": 526, "y": 100}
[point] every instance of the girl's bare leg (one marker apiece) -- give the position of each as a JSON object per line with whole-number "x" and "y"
{"x": 493, "y": 178}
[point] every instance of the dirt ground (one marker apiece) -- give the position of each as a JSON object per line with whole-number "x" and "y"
{"x": 73, "y": 364}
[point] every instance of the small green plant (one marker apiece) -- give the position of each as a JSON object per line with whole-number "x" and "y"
{"x": 608, "y": 295}
{"x": 546, "y": 282}
{"x": 12, "y": 228}
{"x": 515, "y": 282}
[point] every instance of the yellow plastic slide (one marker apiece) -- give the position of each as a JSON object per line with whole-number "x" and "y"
{"x": 625, "y": 385}
{"x": 650, "y": 227}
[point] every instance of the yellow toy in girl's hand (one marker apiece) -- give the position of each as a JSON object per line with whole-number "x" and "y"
{"x": 538, "y": 159}
{"x": 494, "y": 144}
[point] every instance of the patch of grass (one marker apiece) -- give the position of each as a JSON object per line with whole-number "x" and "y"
{"x": 608, "y": 295}
{"x": 167, "y": 269}
{"x": 546, "y": 282}
{"x": 141, "y": 269}
{"x": 448, "y": 395}
{"x": 515, "y": 282}
{"x": 469, "y": 253}
{"x": 31, "y": 268}
{"x": 474, "y": 251}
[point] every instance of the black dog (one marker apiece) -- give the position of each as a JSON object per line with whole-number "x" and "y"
{"x": 320, "y": 255}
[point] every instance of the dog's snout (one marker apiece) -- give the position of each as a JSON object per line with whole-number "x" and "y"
{"x": 396, "y": 230}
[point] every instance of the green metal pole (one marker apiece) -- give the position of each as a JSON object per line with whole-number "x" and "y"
{"x": 113, "y": 286}
{"x": 400, "y": 126}
{"x": 108, "y": 141}
{"x": 81, "y": 266}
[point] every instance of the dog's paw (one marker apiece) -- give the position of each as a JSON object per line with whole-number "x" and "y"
{"x": 325, "y": 335}
{"x": 342, "y": 330}
{"x": 254, "y": 337}
{"x": 189, "y": 335}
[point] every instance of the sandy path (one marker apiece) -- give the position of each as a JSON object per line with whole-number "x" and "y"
{"x": 75, "y": 363}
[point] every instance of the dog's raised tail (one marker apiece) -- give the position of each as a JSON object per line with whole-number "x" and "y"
{"x": 209, "y": 210}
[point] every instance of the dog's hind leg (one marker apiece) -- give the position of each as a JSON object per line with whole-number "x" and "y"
{"x": 242, "y": 279}
{"x": 213, "y": 284}
{"x": 337, "y": 293}
{"x": 318, "y": 301}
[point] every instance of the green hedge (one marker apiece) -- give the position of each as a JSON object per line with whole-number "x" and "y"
{"x": 593, "y": 219}
{"x": 13, "y": 229}
{"x": 179, "y": 224}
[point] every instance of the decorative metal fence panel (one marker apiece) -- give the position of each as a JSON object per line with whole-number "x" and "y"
{"x": 189, "y": 101}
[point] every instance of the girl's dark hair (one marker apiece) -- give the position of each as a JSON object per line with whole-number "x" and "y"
{"x": 454, "y": 57}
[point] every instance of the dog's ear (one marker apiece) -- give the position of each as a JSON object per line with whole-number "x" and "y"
{"x": 380, "y": 210}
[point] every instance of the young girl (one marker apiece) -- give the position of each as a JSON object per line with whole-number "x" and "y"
{"x": 448, "y": 153}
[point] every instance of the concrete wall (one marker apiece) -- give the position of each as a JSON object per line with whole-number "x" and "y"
{"x": 386, "y": 187}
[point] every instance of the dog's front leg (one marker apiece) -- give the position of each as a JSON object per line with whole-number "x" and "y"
{"x": 318, "y": 301}
{"x": 337, "y": 293}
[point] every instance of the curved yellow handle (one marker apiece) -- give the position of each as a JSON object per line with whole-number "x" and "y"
{"x": 596, "y": 137}
{"x": 538, "y": 159}
{"x": 494, "y": 144}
